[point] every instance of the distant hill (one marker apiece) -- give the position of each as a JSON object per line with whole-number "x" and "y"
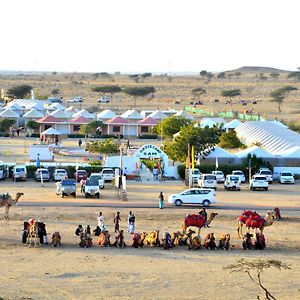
{"x": 251, "y": 69}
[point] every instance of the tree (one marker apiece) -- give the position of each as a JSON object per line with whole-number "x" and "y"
{"x": 107, "y": 89}
{"x": 237, "y": 74}
{"x": 32, "y": 124}
{"x": 199, "y": 91}
{"x": 294, "y": 75}
{"x": 6, "y": 124}
{"x": 254, "y": 269}
{"x": 229, "y": 140}
{"x": 274, "y": 75}
{"x": 91, "y": 129}
{"x": 106, "y": 147}
{"x": 168, "y": 127}
{"x": 203, "y": 73}
{"x": 278, "y": 95}
{"x": 203, "y": 139}
{"x": 19, "y": 91}
{"x": 139, "y": 92}
{"x": 231, "y": 93}
{"x": 221, "y": 75}
{"x": 55, "y": 92}
{"x": 145, "y": 75}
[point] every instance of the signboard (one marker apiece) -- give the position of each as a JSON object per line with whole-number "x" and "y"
{"x": 149, "y": 151}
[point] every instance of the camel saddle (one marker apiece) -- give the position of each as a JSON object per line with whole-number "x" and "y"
{"x": 247, "y": 214}
{"x": 4, "y": 196}
{"x": 195, "y": 220}
{"x": 255, "y": 222}
{"x": 136, "y": 237}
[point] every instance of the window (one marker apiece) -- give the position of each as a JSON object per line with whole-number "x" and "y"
{"x": 76, "y": 127}
{"x": 116, "y": 128}
{"x": 144, "y": 129}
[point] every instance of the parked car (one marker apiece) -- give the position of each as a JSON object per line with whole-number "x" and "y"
{"x": 267, "y": 173}
{"x": 207, "y": 181}
{"x": 239, "y": 173}
{"x": 232, "y": 183}
{"x": 42, "y": 173}
{"x": 203, "y": 197}
{"x": 80, "y": 174}
{"x": 104, "y": 99}
{"x": 54, "y": 100}
{"x": 19, "y": 172}
{"x": 60, "y": 174}
{"x": 196, "y": 175}
{"x": 108, "y": 174}
{"x": 286, "y": 177}
{"x": 92, "y": 188}
{"x": 78, "y": 99}
{"x": 219, "y": 175}
{"x": 67, "y": 187}
{"x": 99, "y": 178}
{"x": 259, "y": 182}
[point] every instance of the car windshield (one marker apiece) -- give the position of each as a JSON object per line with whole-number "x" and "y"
{"x": 95, "y": 177}
{"x": 91, "y": 183}
{"x": 68, "y": 182}
{"x": 266, "y": 172}
{"x": 196, "y": 172}
{"x": 60, "y": 171}
{"x": 44, "y": 172}
{"x": 19, "y": 170}
{"x": 260, "y": 178}
{"x": 210, "y": 177}
{"x": 234, "y": 178}
{"x": 219, "y": 173}
{"x": 238, "y": 173}
{"x": 286, "y": 174}
{"x": 81, "y": 172}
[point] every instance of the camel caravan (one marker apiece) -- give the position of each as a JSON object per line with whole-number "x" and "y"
{"x": 35, "y": 234}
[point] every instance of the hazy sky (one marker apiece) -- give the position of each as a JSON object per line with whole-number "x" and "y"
{"x": 141, "y": 36}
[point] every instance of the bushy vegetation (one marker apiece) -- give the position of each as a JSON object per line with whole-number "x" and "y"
{"x": 5, "y": 125}
{"x": 231, "y": 93}
{"x": 106, "y": 147}
{"x": 229, "y": 140}
{"x": 19, "y": 91}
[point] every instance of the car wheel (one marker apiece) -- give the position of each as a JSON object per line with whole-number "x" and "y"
{"x": 102, "y": 187}
{"x": 86, "y": 195}
{"x": 74, "y": 195}
{"x": 178, "y": 202}
{"x": 206, "y": 203}
{"x": 266, "y": 189}
{"x": 62, "y": 195}
{"x": 98, "y": 195}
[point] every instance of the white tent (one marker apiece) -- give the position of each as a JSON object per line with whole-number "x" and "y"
{"x": 158, "y": 115}
{"x": 9, "y": 113}
{"x": 33, "y": 114}
{"x": 292, "y": 152}
{"x": 51, "y": 131}
{"x": 232, "y": 124}
{"x": 106, "y": 114}
{"x": 211, "y": 122}
{"x": 259, "y": 152}
{"x": 55, "y": 106}
{"x": 71, "y": 111}
{"x": 84, "y": 113}
{"x": 36, "y": 105}
{"x": 219, "y": 152}
{"x": 131, "y": 114}
{"x": 59, "y": 114}
{"x": 183, "y": 113}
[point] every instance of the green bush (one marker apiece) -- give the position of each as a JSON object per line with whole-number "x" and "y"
{"x": 148, "y": 136}
{"x": 30, "y": 171}
{"x": 33, "y": 135}
{"x": 4, "y": 134}
{"x": 108, "y": 136}
{"x": 297, "y": 176}
{"x": 76, "y": 136}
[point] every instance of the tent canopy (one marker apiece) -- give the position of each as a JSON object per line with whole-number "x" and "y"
{"x": 259, "y": 152}
{"x": 51, "y": 131}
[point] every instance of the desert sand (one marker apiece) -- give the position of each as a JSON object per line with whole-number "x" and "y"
{"x": 71, "y": 272}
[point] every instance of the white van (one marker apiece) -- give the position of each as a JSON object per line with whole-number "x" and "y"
{"x": 207, "y": 181}
{"x": 19, "y": 173}
{"x": 108, "y": 174}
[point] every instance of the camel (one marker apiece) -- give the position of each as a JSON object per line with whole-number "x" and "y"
{"x": 167, "y": 241}
{"x": 209, "y": 241}
{"x": 253, "y": 220}
{"x": 56, "y": 239}
{"x": 85, "y": 240}
{"x": 224, "y": 242}
{"x": 33, "y": 236}
{"x": 103, "y": 240}
{"x": 197, "y": 221}
{"x": 119, "y": 240}
{"x": 152, "y": 238}
{"x": 138, "y": 239}
{"x": 194, "y": 243}
{"x": 7, "y": 201}
{"x": 260, "y": 242}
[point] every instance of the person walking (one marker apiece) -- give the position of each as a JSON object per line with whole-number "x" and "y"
{"x": 82, "y": 185}
{"x": 117, "y": 220}
{"x": 79, "y": 142}
{"x": 101, "y": 221}
{"x": 132, "y": 224}
{"x": 161, "y": 200}
{"x": 128, "y": 219}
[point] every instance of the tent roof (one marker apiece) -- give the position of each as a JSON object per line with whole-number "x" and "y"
{"x": 51, "y": 131}
{"x": 157, "y": 114}
{"x": 292, "y": 152}
{"x": 80, "y": 120}
{"x": 210, "y": 122}
{"x": 59, "y": 114}
{"x": 8, "y": 113}
{"x": 148, "y": 121}
{"x": 14, "y": 106}
{"x": 33, "y": 113}
{"x": 232, "y": 124}
{"x": 258, "y": 151}
{"x": 117, "y": 120}
{"x": 220, "y": 153}
{"x": 49, "y": 119}
{"x": 106, "y": 114}
{"x": 132, "y": 115}
{"x": 84, "y": 113}
{"x": 72, "y": 108}
{"x": 55, "y": 106}
{"x": 183, "y": 113}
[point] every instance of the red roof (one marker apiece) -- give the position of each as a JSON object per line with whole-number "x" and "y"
{"x": 80, "y": 120}
{"x": 49, "y": 119}
{"x": 148, "y": 121}
{"x": 117, "y": 120}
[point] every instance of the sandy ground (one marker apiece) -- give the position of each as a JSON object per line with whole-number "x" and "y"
{"x": 71, "y": 272}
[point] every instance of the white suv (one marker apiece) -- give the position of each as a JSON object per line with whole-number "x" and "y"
{"x": 259, "y": 182}
{"x": 60, "y": 174}
{"x": 286, "y": 177}
{"x": 207, "y": 181}
{"x": 267, "y": 173}
{"x": 104, "y": 99}
{"x": 219, "y": 175}
{"x": 239, "y": 173}
{"x": 108, "y": 174}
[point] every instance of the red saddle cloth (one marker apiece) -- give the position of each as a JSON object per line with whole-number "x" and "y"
{"x": 136, "y": 237}
{"x": 195, "y": 220}
{"x": 248, "y": 213}
{"x": 255, "y": 222}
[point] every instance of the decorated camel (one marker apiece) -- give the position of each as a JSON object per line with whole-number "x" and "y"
{"x": 138, "y": 239}
{"x": 197, "y": 221}
{"x": 33, "y": 233}
{"x": 7, "y": 201}
{"x": 56, "y": 239}
{"x": 152, "y": 239}
{"x": 252, "y": 219}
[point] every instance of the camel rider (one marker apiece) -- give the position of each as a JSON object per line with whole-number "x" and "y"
{"x": 79, "y": 230}
{"x": 204, "y": 214}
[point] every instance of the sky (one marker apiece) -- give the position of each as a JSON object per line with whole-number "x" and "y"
{"x": 148, "y": 36}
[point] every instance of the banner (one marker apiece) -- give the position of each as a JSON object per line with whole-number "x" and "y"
{"x": 193, "y": 158}
{"x": 217, "y": 163}
{"x": 188, "y": 161}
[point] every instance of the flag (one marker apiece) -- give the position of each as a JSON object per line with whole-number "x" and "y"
{"x": 193, "y": 158}
{"x": 217, "y": 163}
{"x": 188, "y": 158}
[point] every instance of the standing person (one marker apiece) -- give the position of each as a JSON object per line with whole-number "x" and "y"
{"x": 79, "y": 230}
{"x": 117, "y": 220}
{"x": 161, "y": 200}
{"x": 128, "y": 220}
{"x": 132, "y": 224}
{"x": 82, "y": 185}
{"x": 101, "y": 221}
{"x": 79, "y": 142}
{"x": 125, "y": 172}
